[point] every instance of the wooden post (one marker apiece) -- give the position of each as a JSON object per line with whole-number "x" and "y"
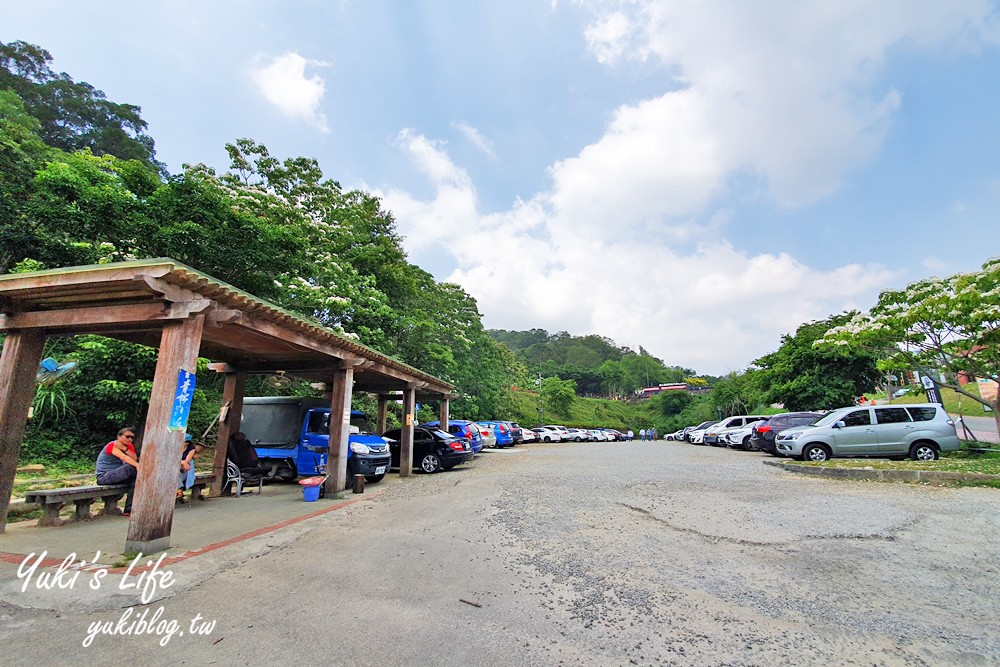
{"x": 444, "y": 413}
{"x": 383, "y": 414}
{"x": 232, "y": 395}
{"x": 159, "y": 463}
{"x": 340, "y": 421}
{"x": 406, "y": 439}
{"x": 22, "y": 350}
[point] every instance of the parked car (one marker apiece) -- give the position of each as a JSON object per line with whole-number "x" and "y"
{"x": 715, "y": 435}
{"x": 740, "y": 438}
{"x": 578, "y": 435}
{"x": 463, "y": 428}
{"x": 546, "y": 434}
{"x": 921, "y": 431}
{"x": 901, "y": 392}
{"x": 561, "y": 430}
{"x": 691, "y": 430}
{"x": 516, "y": 432}
{"x": 433, "y": 449}
{"x": 489, "y": 437}
{"x": 502, "y": 433}
{"x": 615, "y": 434}
{"x": 528, "y": 435}
{"x": 695, "y": 435}
{"x": 762, "y": 437}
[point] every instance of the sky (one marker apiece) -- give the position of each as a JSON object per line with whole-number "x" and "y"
{"x": 696, "y": 178}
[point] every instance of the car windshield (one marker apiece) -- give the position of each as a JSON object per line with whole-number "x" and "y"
{"x": 363, "y": 423}
{"x": 828, "y": 418}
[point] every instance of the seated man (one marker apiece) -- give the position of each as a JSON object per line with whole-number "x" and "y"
{"x": 118, "y": 464}
{"x": 243, "y": 454}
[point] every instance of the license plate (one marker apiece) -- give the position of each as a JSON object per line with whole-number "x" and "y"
{"x": 380, "y": 470}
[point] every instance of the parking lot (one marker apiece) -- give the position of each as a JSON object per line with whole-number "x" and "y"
{"x": 597, "y": 554}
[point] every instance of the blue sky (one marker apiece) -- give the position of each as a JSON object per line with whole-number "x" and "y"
{"x": 698, "y": 178}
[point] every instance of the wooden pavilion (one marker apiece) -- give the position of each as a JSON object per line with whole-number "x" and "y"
{"x": 187, "y": 315}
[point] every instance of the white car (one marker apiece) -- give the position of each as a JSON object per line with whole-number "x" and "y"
{"x": 740, "y": 438}
{"x": 561, "y": 430}
{"x": 715, "y": 434}
{"x": 527, "y": 435}
{"x": 546, "y": 434}
{"x": 599, "y": 436}
{"x": 697, "y": 436}
{"x": 578, "y": 435}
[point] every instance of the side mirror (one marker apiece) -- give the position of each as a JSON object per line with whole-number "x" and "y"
{"x": 353, "y": 430}
{"x": 839, "y": 424}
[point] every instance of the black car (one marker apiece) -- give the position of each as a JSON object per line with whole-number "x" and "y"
{"x": 433, "y": 449}
{"x": 763, "y": 435}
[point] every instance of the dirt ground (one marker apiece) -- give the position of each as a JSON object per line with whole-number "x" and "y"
{"x": 589, "y": 554}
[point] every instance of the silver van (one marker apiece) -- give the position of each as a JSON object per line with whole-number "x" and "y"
{"x": 921, "y": 431}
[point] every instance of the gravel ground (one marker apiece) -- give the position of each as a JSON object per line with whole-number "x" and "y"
{"x": 597, "y": 554}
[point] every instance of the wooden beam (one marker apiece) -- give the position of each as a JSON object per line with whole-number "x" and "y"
{"x": 222, "y": 316}
{"x": 21, "y": 286}
{"x": 112, "y": 317}
{"x": 165, "y": 290}
{"x": 443, "y": 416}
{"x": 382, "y": 414}
{"x": 406, "y": 438}
{"x": 233, "y": 391}
{"x": 340, "y": 422}
{"x": 18, "y": 365}
{"x": 159, "y": 462}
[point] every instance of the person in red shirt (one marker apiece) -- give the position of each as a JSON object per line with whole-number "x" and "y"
{"x": 118, "y": 464}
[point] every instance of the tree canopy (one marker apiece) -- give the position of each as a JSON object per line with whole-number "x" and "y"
{"x": 941, "y": 327}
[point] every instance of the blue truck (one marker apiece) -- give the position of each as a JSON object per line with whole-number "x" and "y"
{"x": 291, "y": 435}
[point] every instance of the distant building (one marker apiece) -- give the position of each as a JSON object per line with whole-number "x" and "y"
{"x": 647, "y": 392}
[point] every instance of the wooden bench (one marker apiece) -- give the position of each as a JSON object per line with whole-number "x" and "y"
{"x": 53, "y": 500}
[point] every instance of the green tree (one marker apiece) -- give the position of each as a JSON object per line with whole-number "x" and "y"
{"x": 803, "y": 376}
{"x": 558, "y": 395}
{"x": 949, "y": 325}
{"x": 73, "y": 115}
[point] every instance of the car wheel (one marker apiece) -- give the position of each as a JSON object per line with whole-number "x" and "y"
{"x": 815, "y": 453}
{"x": 375, "y": 478}
{"x": 430, "y": 463}
{"x": 747, "y": 446}
{"x": 546, "y": 439}
{"x": 923, "y": 451}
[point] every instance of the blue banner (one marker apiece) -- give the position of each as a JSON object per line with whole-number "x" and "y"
{"x": 182, "y": 401}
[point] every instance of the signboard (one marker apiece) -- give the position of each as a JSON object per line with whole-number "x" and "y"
{"x": 933, "y": 394}
{"x": 182, "y": 401}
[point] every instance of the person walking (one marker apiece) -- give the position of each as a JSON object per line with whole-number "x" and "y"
{"x": 118, "y": 464}
{"x": 642, "y": 435}
{"x": 631, "y": 435}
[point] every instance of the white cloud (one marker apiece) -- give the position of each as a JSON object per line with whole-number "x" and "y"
{"x": 284, "y": 83}
{"x": 476, "y": 138}
{"x": 789, "y": 97}
{"x": 608, "y": 37}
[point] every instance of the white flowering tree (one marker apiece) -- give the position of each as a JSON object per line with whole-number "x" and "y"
{"x": 948, "y": 324}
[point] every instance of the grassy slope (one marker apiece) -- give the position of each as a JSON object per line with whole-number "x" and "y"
{"x": 585, "y": 413}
